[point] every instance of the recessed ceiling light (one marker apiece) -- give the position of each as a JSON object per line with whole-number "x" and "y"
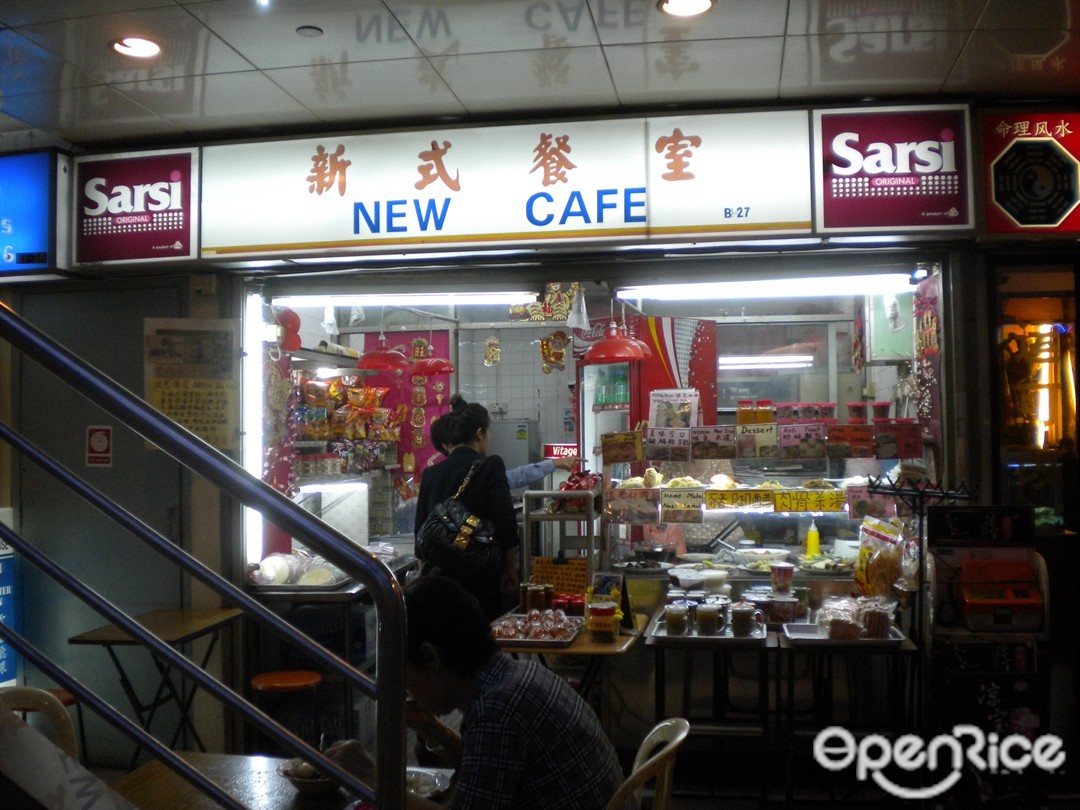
{"x": 309, "y": 31}
{"x": 684, "y": 8}
{"x": 136, "y": 47}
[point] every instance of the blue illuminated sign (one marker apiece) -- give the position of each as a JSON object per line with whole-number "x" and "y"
{"x": 26, "y": 215}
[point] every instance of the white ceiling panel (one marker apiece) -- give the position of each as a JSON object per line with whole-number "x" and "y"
{"x": 221, "y": 100}
{"x": 622, "y": 22}
{"x": 398, "y": 88}
{"x": 560, "y": 78}
{"x": 267, "y": 37}
{"x": 482, "y": 61}
{"x": 695, "y": 72}
{"x": 481, "y": 26}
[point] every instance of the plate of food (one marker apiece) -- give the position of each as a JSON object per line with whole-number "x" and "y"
{"x": 827, "y": 565}
{"x": 641, "y": 565}
{"x": 758, "y": 568}
{"x": 307, "y": 780}
{"x": 697, "y": 557}
{"x": 427, "y": 782}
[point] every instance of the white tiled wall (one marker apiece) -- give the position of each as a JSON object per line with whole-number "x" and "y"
{"x": 518, "y": 380}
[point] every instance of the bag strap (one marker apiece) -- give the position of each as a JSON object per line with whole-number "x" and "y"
{"x": 475, "y": 466}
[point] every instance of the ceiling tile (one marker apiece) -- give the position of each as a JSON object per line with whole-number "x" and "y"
{"x": 482, "y": 26}
{"x": 558, "y": 78}
{"x": 1008, "y": 15}
{"x": 369, "y": 90}
{"x": 1001, "y": 65}
{"x": 842, "y": 65}
{"x": 352, "y": 32}
{"x": 86, "y": 116}
{"x": 187, "y": 47}
{"x": 224, "y": 101}
{"x": 622, "y": 22}
{"x": 22, "y": 12}
{"x": 29, "y": 68}
{"x": 890, "y": 18}
{"x": 696, "y": 72}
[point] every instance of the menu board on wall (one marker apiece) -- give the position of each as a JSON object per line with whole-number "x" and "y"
{"x": 892, "y": 169}
{"x": 1032, "y": 172}
{"x": 192, "y": 375}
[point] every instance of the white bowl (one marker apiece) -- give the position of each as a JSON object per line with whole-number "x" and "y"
{"x": 714, "y": 580}
{"x": 691, "y": 580}
{"x": 746, "y": 556}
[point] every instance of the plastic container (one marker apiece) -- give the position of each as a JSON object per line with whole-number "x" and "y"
{"x": 763, "y": 412}
{"x": 856, "y": 410}
{"x": 826, "y": 410}
{"x": 745, "y": 412}
{"x": 881, "y": 409}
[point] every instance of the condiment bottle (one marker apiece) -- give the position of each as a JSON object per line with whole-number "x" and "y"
{"x": 813, "y": 540}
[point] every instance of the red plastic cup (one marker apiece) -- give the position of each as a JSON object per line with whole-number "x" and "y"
{"x": 781, "y": 574}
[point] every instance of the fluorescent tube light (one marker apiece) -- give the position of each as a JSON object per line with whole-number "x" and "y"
{"x": 764, "y": 361}
{"x": 875, "y": 284}
{"x": 446, "y": 299}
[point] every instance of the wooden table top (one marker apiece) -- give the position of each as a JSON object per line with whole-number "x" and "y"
{"x": 252, "y": 780}
{"x": 581, "y": 645}
{"x": 171, "y": 625}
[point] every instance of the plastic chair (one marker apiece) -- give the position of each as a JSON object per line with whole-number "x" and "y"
{"x": 655, "y": 760}
{"x": 30, "y": 699}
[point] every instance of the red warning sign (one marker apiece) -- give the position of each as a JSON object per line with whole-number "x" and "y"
{"x": 99, "y": 446}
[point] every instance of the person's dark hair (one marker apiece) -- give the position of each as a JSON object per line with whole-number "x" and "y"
{"x": 438, "y": 434}
{"x": 464, "y": 420}
{"x": 441, "y": 613}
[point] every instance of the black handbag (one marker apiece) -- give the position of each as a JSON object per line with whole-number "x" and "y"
{"x": 453, "y": 542}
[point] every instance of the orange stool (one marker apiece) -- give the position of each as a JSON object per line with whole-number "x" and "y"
{"x": 290, "y": 680}
{"x": 67, "y": 699}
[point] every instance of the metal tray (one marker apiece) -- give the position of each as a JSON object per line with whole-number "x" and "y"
{"x": 329, "y": 586}
{"x": 811, "y": 635}
{"x": 542, "y": 644}
{"x": 659, "y": 630}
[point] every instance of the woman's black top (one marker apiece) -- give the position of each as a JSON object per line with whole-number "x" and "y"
{"x": 487, "y": 496}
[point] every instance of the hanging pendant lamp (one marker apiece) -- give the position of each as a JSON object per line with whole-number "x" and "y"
{"x": 646, "y": 352}
{"x": 431, "y": 365}
{"x": 613, "y": 348}
{"x": 382, "y": 358}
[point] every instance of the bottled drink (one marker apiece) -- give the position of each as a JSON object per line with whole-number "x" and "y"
{"x": 622, "y": 386}
{"x": 764, "y": 411}
{"x": 603, "y": 390}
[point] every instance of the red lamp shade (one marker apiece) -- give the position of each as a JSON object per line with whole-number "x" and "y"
{"x": 645, "y": 350}
{"x": 431, "y": 365}
{"x": 613, "y": 348}
{"x": 382, "y": 358}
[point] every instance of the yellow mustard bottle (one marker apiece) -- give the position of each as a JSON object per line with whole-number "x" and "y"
{"x": 813, "y": 540}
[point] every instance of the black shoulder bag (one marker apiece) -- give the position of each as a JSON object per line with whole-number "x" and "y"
{"x": 458, "y": 544}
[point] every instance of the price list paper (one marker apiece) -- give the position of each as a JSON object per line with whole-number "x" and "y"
{"x": 682, "y": 505}
{"x": 568, "y": 575}
{"x": 809, "y": 500}
{"x": 756, "y": 499}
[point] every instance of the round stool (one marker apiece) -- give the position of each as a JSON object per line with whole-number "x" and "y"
{"x": 286, "y": 681}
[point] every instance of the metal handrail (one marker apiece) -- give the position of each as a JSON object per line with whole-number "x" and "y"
{"x": 227, "y": 475}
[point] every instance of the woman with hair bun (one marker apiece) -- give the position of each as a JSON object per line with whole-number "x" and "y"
{"x": 465, "y": 429}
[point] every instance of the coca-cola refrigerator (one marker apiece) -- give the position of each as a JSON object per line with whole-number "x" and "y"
{"x": 614, "y": 397}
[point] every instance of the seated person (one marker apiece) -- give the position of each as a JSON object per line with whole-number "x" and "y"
{"x": 516, "y": 477}
{"x": 528, "y": 741}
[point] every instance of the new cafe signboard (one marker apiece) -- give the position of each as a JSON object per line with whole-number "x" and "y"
{"x": 623, "y": 180}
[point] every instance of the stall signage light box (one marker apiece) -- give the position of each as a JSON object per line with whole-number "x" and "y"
{"x": 1032, "y": 172}
{"x": 895, "y": 169}
{"x": 27, "y": 222}
{"x": 135, "y": 207}
{"x": 739, "y": 174}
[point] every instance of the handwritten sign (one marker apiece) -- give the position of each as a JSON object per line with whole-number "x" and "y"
{"x": 570, "y": 575}
{"x": 760, "y": 499}
{"x": 756, "y": 441}
{"x": 682, "y": 505}
{"x": 631, "y": 505}
{"x": 851, "y": 441}
{"x": 809, "y": 500}
{"x": 864, "y": 503}
{"x": 712, "y": 442}
{"x": 620, "y": 448}
{"x": 667, "y": 444}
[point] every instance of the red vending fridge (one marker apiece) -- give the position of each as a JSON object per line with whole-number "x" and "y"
{"x": 614, "y": 397}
